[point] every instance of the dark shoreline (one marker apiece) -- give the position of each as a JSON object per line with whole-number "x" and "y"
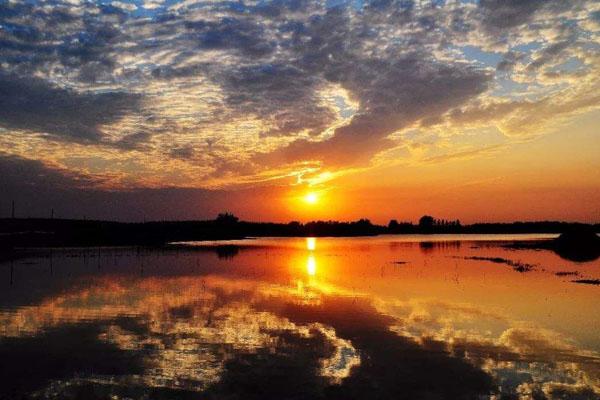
{"x": 21, "y": 233}
{"x": 45, "y": 232}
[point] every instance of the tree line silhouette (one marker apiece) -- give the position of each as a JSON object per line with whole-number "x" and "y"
{"x": 37, "y": 232}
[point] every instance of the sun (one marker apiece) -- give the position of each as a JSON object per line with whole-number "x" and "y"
{"x": 311, "y": 198}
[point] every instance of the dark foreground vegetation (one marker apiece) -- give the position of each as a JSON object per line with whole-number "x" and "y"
{"x": 576, "y": 243}
{"x": 32, "y": 232}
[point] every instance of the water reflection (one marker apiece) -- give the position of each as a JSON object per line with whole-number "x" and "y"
{"x": 311, "y": 262}
{"x": 428, "y": 246}
{"x": 284, "y": 319}
{"x": 311, "y": 265}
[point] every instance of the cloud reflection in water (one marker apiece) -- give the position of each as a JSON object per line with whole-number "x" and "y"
{"x": 237, "y": 331}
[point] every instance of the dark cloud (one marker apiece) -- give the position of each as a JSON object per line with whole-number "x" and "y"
{"x": 37, "y": 188}
{"x": 34, "y": 104}
{"x": 17, "y": 172}
{"x": 247, "y": 36}
{"x": 282, "y": 95}
{"x": 135, "y": 141}
{"x": 392, "y": 94}
{"x": 500, "y": 17}
{"x": 502, "y": 14}
{"x": 182, "y": 152}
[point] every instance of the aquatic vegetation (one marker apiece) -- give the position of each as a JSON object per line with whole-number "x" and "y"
{"x": 516, "y": 265}
{"x": 566, "y": 273}
{"x": 588, "y": 281}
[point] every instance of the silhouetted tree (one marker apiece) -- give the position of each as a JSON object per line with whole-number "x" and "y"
{"x": 363, "y": 223}
{"x": 294, "y": 228}
{"x": 393, "y": 225}
{"x": 426, "y": 222}
{"x": 226, "y": 218}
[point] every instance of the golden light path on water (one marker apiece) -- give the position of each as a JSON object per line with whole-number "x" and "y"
{"x": 190, "y": 313}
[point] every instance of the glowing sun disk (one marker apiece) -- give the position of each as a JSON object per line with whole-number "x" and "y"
{"x": 311, "y": 198}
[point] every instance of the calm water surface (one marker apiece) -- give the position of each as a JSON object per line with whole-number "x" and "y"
{"x": 390, "y": 317}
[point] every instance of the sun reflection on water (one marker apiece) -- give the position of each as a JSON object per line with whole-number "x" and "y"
{"x": 311, "y": 265}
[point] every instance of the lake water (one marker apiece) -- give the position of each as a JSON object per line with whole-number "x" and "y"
{"x": 389, "y": 317}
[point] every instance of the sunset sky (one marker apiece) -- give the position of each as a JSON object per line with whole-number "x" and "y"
{"x": 298, "y": 110}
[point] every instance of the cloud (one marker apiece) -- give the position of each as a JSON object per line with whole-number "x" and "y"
{"x": 133, "y": 141}
{"x": 284, "y": 96}
{"x": 522, "y": 118}
{"x": 37, "y": 187}
{"x": 35, "y": 105}
{"x": 509, "y": 61}
{"x": 17, "y": 172}
{"x": 503, "y": 14}
{"x": 55, "y": 38}
{"x": 280, "y": 84}
{"x": 400, "y": 93}
{"x": 247, "y": 36}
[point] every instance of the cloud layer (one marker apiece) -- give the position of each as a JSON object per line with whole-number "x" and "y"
{"x": 214, "y": 94}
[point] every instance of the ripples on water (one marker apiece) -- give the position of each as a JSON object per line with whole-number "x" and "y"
{"x": 366, "y": 318}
